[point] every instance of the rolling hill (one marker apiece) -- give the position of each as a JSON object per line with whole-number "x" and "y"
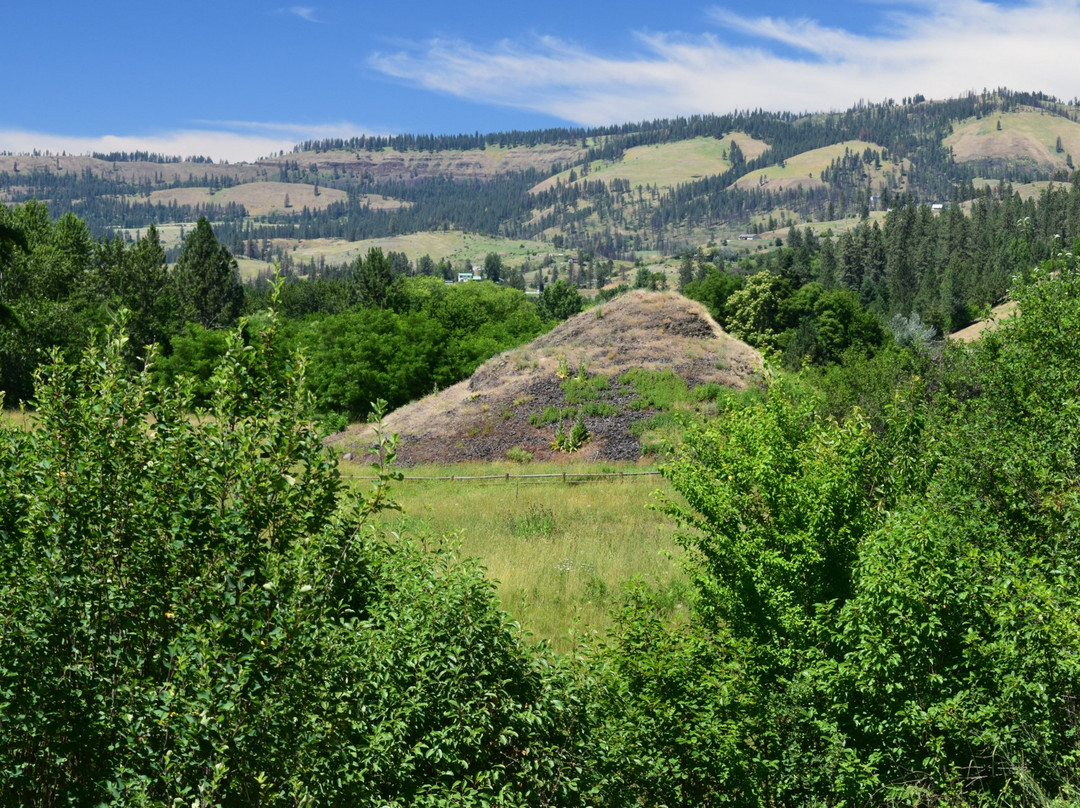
{"x": 613, "y": 192}
{"x": 501, "y": 407}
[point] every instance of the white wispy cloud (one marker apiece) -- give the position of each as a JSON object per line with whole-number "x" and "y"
{"x": 938, "y": 49}
{"x": 234, "y": 141}
{"x": 304, "y": 13}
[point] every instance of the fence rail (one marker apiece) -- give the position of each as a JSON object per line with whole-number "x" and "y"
{"x": 565, "y": 476}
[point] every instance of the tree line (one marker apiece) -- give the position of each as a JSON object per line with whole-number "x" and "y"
{"x": 369, "y": 329}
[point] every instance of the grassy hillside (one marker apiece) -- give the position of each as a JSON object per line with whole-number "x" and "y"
{"x": 135, "y": 172}
{"x": 388, "y": 164}
{"x": 630, "y": 367}
{"x": 1025, "y": 135}
{"x": 455, "y": 245}
{"x": 262, "y": 198}
{"x": 665, "y": 164}
{"x": 805, "y": 169}
{"x": 417, "y": 184}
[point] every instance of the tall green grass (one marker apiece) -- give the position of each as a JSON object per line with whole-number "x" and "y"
{"x": 16, "y": 418}
{"x": 560, "y": 552}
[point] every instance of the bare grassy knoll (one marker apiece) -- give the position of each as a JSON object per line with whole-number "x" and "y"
{"x": 623, "y": 364}
{"x": 1024, "y": 135}
{"x": 805, "y": 169}
{"x": 262, "y": 198}
{"x": 975, "y": 330}
{"x": 666, "y": 164}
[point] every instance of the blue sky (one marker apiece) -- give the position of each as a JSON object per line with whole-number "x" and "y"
{"x": 236, "y": 79}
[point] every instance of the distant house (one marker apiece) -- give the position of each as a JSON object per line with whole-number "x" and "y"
{"x": 464, "y": 277}
{"x": 940, "y": 206}
{"x": 748, "y": 237}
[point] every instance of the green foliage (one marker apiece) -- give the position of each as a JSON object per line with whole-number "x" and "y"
{"x": 537, "y": 521}
{"x": 559, "y": 301}
{"x": 377, "y": 286}
{"x": 753, "y": 312}
{"x": 360, "y": 354}
{"x": 656, "y": 389}
{"x": 714, "y": 291}
{"x": 900, "y": 591}
{"x": 550, "y": 415}
{"x": 572, "y": 439}
{"x": 196, "y": 354}
{"x": 599, "y": 409}
{"x": 661, "y": 420}
{"x": 669, "y": 706}
{"x": 49, "y": 298}
{"x": 580, "y": 390}
{"x": 208, "y": 290}
{"x": 196, "y": 610}
{"x": 783, "y": 502}
{"x": 519, "y": 455}
{"x": 493, "y": 267}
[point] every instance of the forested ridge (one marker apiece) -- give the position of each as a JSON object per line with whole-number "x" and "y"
{"x": 607, "y": 217}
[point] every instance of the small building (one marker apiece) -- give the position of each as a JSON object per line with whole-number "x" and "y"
{"x": 465, "y": 277}
{"x": 748, "y": 237}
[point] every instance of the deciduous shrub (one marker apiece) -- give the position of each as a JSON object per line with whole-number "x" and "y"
{"x": 194, "y": 610}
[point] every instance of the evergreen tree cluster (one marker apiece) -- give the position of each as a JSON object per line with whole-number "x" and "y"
{"x": 946, "y": 268}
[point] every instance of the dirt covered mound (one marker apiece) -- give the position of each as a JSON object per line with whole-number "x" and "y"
{"x": 502, "y": 406}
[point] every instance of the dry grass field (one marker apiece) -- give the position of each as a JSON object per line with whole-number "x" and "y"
{"x": 15, "y": 418}
{"x": 457, "y": 246}
{"x": 975, "y": 330}
{"x": 1027, "y": 134}
{"x": 262, "y": 198}
{"x": 805, "y": 169}
{"x": 666, "y": 165}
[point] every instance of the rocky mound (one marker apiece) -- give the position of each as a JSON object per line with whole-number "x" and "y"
{"x": 487, "y": 415}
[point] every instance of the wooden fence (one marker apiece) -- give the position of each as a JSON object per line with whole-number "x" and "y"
{"x": 565, "y": 477}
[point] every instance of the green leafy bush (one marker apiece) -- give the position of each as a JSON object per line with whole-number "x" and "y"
{"x": 901, "y": 593}
{"x": 519, "y": 455}
{"x": 195, "y": 610}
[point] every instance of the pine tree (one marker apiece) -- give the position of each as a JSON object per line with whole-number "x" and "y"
{"x": 376, "y": 285}
{"x": 208, "y": 290}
